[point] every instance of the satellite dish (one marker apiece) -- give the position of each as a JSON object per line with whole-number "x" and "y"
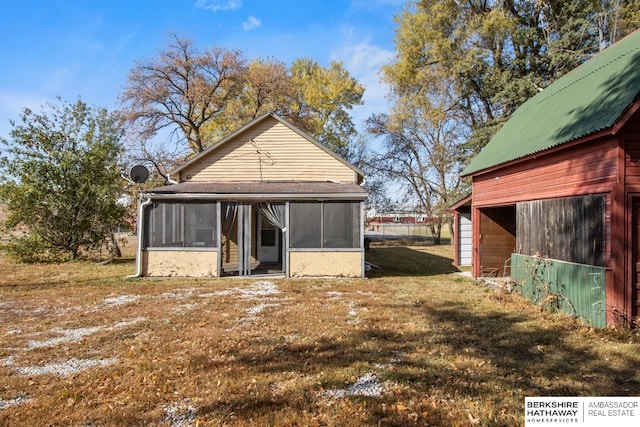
{"x": 138, "y": 174}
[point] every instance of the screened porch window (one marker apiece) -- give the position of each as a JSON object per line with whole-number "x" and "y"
{"x": 325, "y": 225}
{"x": 173, "y": 224}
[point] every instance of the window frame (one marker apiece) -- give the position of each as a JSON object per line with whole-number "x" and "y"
{"x": 356, "y": 206}
{"x": 182, "y": 229}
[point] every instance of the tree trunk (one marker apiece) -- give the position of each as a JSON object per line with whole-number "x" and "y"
{"x": 435, "y": 231}
{"x": 114, "y": 248}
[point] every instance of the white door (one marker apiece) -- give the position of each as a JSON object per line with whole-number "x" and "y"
{"x": 268, "y": 241}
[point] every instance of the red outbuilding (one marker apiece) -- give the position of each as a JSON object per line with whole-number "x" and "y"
{"x": 556, "y": 192}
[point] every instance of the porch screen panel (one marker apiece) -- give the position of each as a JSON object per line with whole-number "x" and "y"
{"x": 200, "y": 224}
{"x": 172, "y": 224}
{"x": 305, "y": 225}
{"x": 341, "y": 225}
{"x": 164, "y": 225}
{"x": 325, "y": 225}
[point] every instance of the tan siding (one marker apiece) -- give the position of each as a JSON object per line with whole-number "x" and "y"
{"x": 180, "y": 263}
{"x": 269, "y": 151}
{"x": 342, "y": 264}
{"x": 582, "y": 170}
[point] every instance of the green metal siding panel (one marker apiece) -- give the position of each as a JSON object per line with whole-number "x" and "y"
{"x": 590, "y": 98}
{"x": 575, "y": 289}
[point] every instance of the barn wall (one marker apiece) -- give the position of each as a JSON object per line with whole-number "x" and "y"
{"x": 588, "y": 168}
{"x": 568, "y": 229}
{"x": 632, "y": 198}
{"x": 632, "y": 154}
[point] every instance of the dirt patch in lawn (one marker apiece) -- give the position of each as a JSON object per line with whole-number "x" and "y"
{"x": 83, "y": 345}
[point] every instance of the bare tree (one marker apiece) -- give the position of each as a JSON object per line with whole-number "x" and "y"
{"x": 181, "y": 90}
{"x": 421, "y": 153}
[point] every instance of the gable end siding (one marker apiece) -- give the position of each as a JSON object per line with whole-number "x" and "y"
{"x": 269, "y": 151}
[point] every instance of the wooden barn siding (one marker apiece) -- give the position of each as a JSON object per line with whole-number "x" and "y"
{"x": 567, "y": 229}
{"x": 589, "y": 168}
{"x": 276, "y": 154}
{"x": 632, "y": 190}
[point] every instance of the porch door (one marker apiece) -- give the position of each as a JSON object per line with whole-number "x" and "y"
{"x": 268, "y": 241}
{"x": 635, "y": 290}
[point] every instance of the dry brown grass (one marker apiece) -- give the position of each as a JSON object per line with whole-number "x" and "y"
{"x": 82, "y": 345}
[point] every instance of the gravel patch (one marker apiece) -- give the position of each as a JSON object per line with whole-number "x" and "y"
{"x": 179, "y": 294}
{"x": 63, "y": 369}
{"x": 252, "y": 312}
{"x": 68, "y": 335}
{"x": 180, "y": 414}
{"x": 15, "y": 401}
{"x": 262, "y": 288}
{"x": 75, "y": 335}
{"x": 367, "y": 385}
{"x": 120, "y": 300}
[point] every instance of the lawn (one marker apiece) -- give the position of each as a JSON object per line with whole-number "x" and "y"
{"x": 414, "y": 344}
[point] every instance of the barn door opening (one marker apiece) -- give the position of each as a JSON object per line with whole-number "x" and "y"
{"x": 497, "y": 240}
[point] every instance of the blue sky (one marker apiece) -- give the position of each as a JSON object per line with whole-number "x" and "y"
{"x": 86, "y": 48}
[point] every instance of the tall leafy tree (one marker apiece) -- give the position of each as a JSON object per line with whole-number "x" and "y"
{"x": 463, "y": 66}
{"x": 323, "y": 98}
{"x": 421, "y": 154}
{"x": 198, "y": 97}
{"x": 497, "y": 54}
{"x": 316, "y": 99}
{"x": 63, "y": 180}
{"x": 180, "y": 91}
{"x": 266, "y": 88}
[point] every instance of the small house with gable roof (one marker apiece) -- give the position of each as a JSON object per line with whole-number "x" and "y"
{"x": 267, "y": 199}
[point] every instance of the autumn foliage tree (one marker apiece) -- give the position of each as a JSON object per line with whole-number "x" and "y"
{"x": 463, "y": 66}
{"x": 199, "y": 97}
{"x": 179, "y": 92}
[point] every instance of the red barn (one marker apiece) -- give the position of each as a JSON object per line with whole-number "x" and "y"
{"x": 556, "y": 192}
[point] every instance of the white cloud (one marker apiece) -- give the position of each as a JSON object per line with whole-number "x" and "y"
{"x": 251, "y": 23}
{"x": 364, "y": 60}
{"x": 216, "y": 5}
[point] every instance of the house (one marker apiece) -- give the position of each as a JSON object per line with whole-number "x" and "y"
{"x": 407, "y": 216}
{"x": 267, "y": 199}
{"x": 556, "y": 192}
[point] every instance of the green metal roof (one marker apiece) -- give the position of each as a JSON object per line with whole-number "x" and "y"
{"x": 591, "y": 98}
